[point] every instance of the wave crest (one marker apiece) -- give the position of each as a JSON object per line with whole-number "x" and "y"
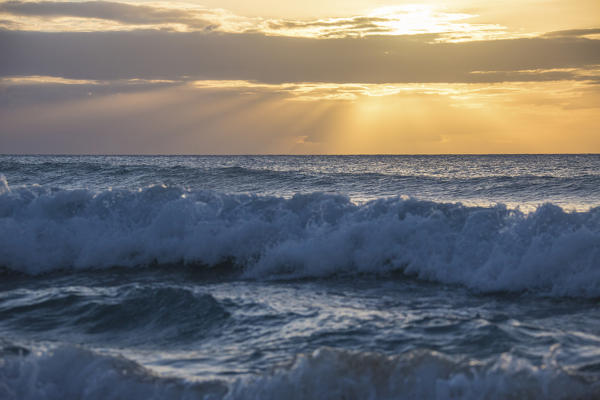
{"x": 420, "y": 374}
{"x": 548, "y": 251}
{"x": 73, "y": 372}
{"x": 69, "y": 372}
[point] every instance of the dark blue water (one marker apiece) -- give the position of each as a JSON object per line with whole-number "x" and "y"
{"x": 362, "y": 277}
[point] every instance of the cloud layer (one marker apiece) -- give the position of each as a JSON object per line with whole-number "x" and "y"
{"x": 115, "y": 77}
{"x": 210, "y": 117}
{"x": 168, "y": 55}
{"x": 119, "y": 12}
{"x": 88, "y": 16}
{"x": 405, "y": 44}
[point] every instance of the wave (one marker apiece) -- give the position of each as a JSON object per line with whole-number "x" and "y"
{"x": 180, "y": 168}
{"x": 419, "y": 374}
{"x": 149, "y": 315}
{"x": 73, "y": 372}
{"x": 70, "y": 372}
{"x": 191, "y": 166}
{"x": 487, "y": 249}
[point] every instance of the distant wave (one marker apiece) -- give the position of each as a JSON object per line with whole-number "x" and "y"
{"x": 487, "y": 249}
{"x": 68, "y": 372}
{"x": 192, "y": 170}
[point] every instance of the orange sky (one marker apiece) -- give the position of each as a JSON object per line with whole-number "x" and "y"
{"x": 221, "y": 77}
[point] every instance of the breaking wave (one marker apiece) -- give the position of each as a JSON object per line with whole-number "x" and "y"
{"x": 72, "y": 372}
{"x": 548, "y": 251}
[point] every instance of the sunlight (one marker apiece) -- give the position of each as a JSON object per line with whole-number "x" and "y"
{"x": 426, "y": 19}
{"x": 177, "y": 17}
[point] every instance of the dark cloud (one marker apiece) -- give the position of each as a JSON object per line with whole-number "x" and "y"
{"x": 529, "y": 76}
{"x": 358, "y": 32}
{"x": 348, "y": 23}
{"x": 7, "y": 23}
{"x": 119, "y": 12}
{"x": 573, "y": 33}
{"x": 26, "y": 94}
{"x": 275, "y": 59}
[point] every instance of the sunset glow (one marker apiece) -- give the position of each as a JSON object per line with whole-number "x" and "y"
{"x": 376, "y": 78}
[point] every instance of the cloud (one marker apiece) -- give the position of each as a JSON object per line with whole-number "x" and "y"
{"x": 186, "y": 79}
{"x": 38, "y": 79}
{"x": 358, "y": 22}
{"x": 570, "y": 33}
{"x": 152, "y": 55}
{"x": 248, "y": 117}
{"x": 97, "y": 16}
{"x": 589, "y": 73}
{"x": 397, "y": 20}
{"x": 119, "y": 12}
{"x": 18, "y": 91}
{"x": 334, "y": 27}
{"x": 51, "y": 16}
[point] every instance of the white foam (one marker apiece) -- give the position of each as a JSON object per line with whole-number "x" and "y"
{"x": 338, "y": 374}
{"x": 548, "y": 251}
{"x": 67, "y": 372}
{"x": 4, "y": 188}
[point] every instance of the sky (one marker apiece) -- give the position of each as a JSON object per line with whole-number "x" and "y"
{"x": 291, "y": 77}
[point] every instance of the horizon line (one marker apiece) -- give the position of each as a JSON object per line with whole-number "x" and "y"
{"x": 281, "y": 154}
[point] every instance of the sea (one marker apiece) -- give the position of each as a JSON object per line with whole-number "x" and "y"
{"x": 300, "y": 277}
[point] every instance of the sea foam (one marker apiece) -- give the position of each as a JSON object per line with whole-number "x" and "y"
{"x": 548, "y": 251}
{"x": 68, "y": 372}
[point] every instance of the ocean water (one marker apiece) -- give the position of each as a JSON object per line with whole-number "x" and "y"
{"x": 314, "y": 277}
